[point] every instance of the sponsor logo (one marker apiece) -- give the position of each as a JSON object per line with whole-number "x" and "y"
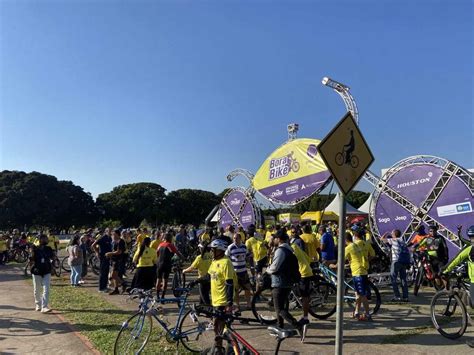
{"x": 276, "y": 193}
{"x": 303, "y": 187}
{"x": 384, "y": 220}
{"x": 414, "y": 182}
{"x": 290, "y": 190}
{"x": 234, "y": 202}
{"x": 281, "y": 167}
{"x": 312, "y": 151}
{"x": 401, "y": 218}
{"x": 457, "y": 208}
{"x": 247, "y": 219}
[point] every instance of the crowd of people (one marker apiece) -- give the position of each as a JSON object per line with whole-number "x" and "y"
{"x": 233, "y": 260}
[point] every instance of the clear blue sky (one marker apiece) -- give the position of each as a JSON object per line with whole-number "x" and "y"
{"x": 105, "y": 93}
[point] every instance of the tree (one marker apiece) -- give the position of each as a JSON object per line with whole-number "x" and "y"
{"x": 190, "y": 206}
{"x": 37, "y": 199}
{"x": 357, "y": 198}
{"x": 132, "y": 203}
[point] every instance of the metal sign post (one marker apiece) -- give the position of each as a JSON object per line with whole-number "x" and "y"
{"x": 340, "y": 275}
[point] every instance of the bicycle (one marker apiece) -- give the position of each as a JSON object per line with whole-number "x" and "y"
{"x": 194, "y": 334}
{"x": 448, "y": 309}
{"x": 350, "y": 297}
{"x": 424, "y": 273}
{"x": 322, "y": 300}
{"x": 179, "y": 279}
{"x": 235, "y": 343}
{"x": 341, "y": 159}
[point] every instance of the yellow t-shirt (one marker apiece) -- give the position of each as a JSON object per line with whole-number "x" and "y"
{"x": 303, "y": 261}
{"x": 204, "y": 237}
{"x": 3, "y": 245}
{"x": 242, "y": 237}
{"x": 147, "y": 259}
{"x": 141, "y": 237}
{"x": 155, "y": 243}
{"x": 268, "y": 236}
{"x": 358, "y": 255}
{"x": 202, "y": 264}
{"x": 52, "y": 241}
{"x": 220, "y": 271}
{"x": 257, "y": 248}
{"x": 312, "y": 244}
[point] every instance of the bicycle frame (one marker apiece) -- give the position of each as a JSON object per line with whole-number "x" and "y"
{"x": 331, "y": 277}
{"x": 235, "y": 339}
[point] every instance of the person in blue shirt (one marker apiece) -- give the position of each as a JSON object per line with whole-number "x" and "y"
{"x": 328, "y": 255}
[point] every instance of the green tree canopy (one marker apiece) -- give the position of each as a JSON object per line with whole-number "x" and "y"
{"x": 190, "y": 206}
{"x": 132, "y": 203}
{"x": 35, "y": 199}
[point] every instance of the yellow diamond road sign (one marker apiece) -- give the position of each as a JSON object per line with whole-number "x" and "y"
{"x": 346, "y": 153}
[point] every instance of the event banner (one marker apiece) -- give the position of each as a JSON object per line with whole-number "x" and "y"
{"x": 292, "y": 173}
{"x": 236, "y": 208}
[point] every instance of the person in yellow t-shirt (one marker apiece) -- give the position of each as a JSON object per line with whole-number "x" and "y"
{"x": 3, "y": 249}
{"x": 223, "y": 281}
{"x": 243, "y": 237}
{"x": 358, "y": 252}
{"x": 156, "y": 242}
{"x": 256, "y": 246}
{"x": 269, "y": 233}
{"x": 53, "y": 242}
{"x": 202, "y": 263}
{"x": 145, "y": 259}
{"x": 142, "y": 234}
{"x": 311, "y": 243}
{"x": 306, "y": 272}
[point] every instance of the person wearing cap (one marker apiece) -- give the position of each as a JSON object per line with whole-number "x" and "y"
{"x": 328, "y": 249}
{"x": 201, "y": 263}
{"x": 40, "y": 261}
{"x": 419, "y": 237}
{"x": 281, "y": 280}
{"x": 437, "y": 251}
{"x": 223, "y": 281}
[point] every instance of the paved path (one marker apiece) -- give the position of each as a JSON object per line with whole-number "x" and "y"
{"x": 25, "y": 331}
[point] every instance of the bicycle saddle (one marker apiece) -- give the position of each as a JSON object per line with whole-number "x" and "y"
{"x": 281, "y": 333}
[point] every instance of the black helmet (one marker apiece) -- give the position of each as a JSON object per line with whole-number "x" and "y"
{"x": 470, "y": 232}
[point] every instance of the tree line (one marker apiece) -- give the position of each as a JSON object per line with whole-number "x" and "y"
{"x": 36, "y": 200}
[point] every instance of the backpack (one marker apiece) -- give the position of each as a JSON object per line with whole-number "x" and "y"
{"x": 404, "y": 257}
{"x": 291, "y": 266}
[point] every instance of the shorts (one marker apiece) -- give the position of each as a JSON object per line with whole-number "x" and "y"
{"x": 243, "y": 281}
{"x": 119, "y": 267}
{"x": 305, "y": 286}
{"x": 436, "y": 265}
{"x": 361, "y": 285}
{"x": 261, "y": 264}
{"x": 163, "y": 272}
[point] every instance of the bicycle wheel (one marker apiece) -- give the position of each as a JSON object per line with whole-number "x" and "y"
{"x": 57, "y": 267}
{"x": 354, "y": 162}
{"x": 21, "y": 256}
{"x": 374, "y": 298}
{"x": 26, "y": 270}
{"x": 178, "y": 282}
{"x": 339, "y": 159}
{"x": 133, "y": 335}
{"x": 323, "y": 300}
{"x": 262, "y": 306}
{"x": 94, "y": 263}
{"x": 196, "y": 332}
{"x": 448, "y": 314}
{"x": 65, "y": 265}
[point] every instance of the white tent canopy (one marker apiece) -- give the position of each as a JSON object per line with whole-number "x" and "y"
{"x": 350, "y": 210}
{"x": 366, "y": 205}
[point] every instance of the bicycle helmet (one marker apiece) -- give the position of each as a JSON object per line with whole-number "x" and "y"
{"x": 219, "y": 244}
{"x": 470, "y": 232}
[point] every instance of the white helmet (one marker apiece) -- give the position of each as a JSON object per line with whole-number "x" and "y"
{"x": 219, "y": 244}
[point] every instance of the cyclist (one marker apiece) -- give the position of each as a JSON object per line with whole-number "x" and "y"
{"x": 223, "y": 280}
{"x": 304, "y": 265}
{"x": 328, "y": 250}
{"x": 349, "y": 148}
{"x": 437, "y": 250}
{"x": 295, "y": 238}
{"x": 281, "y": 280}
{"x": 101, "y": 246}
{"x": 144, "y": 258}
{"x": 418, "y": 238}
{"x": 358, "y": 253}
{"x": 256, "y": 246}
{"x": 237, "y": 252}
{"x": 466, "y": 254}
{"x": 202, "y": 263}
{"x": 118, "y": 262}
{"x": 165, "y": 253}
{"x": 311, "y": 243}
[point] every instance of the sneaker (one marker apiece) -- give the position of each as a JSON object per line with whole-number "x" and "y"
{"x": 81, "y": 282}
{"x": 395, "y": 299}
{"x": 45, "y": 310}
{"x": 405, "y": 300}
{"x": 38, "y": 308}
{"x": 105, "y": 290}
{"x": 303, "y": 321}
